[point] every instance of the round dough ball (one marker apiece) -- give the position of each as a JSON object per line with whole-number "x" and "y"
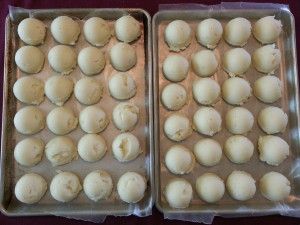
{"x": 127, "y": 29}
{"x": 91, "y": 60}
{"x": 30, "y": 188}
{"x": 65, "y": 187}
{"x": 204, "y": 63}
{"x": 240, "y": 185}
{"x": 239, "y": 120}
{"x": 131, "y": 187}
{"x": 123, "y": 56}
{"x": 32, "y": 31}
{"x": 272, "y": 149}
{"x": 236, "y": 91}
{"x": 93, "y": 120}
{"x": 122, "y": 86}
{"x": 272, "y": 120}
{"x": 29, "y": 151}
{"x": 30, "y": 59}
{"x": 92, "y": 147}
{"x": 65, "y": 30}
{"x": 274, "y": 186}
{"x": 206, "y": 91}
{"x": 267, "y": 89}
{"x": 210, "y": 187}
{"x": 29, "y": 120}
{"x": 267, "y": 29}
{"x": 97, "y": 31}
{"x": 98, "y": 185}
{"x": 125, "y": 116}
{"x": 208, "y": 152}
{"x": 175, "y": 68}
{"x": 29, "y": 90}
{"x": 236, "y": 61}
{"x": 177, "y": 127}
{"x": 207, "y": 121}
{"x": 174, "y": 96}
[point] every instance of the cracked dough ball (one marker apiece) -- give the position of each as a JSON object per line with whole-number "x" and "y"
{"x": 30, "y": 59}
{"x": 97, "y": 31}
{"x": 236, "y": 61}
{"x": 174, "y": 96}
{"x": 125, "y": 116}
{"x": 91, "y": 60}
{"x": 204, "y": 63}
{"x": 127, "y": 29}
{"x": 92, "y": 147}
{"x": 267, "y": 89}
{"x": 123, "y": 56}
{"x": 30, "y": 188}
{"x": 32, "y": 31}
{"x": 267, "y": 29}
{"x": 177, "y": 127}
{"x": 122, "y": 86}
{"x": 206, "y": 91}
{"x": 93, "y": 119}
{"x": 239, "y": 120}
{"x": 236, "y": 91}
{"x": 175, "y": 68}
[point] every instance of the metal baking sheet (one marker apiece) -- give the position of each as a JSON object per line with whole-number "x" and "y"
{"x": 142, "y": 73}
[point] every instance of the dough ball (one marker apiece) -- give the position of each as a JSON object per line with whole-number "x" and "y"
{"x": 97, "y": 31}
{"x": 207, "y": 121}
{"x": 240, "y": 185}
{"x": 32, "y": 31}
{"x": 65, "y": 30}
{"x": 272, "y": 149}
{"x": 274, "y": 186}
{"x": 125, "y": 116}
{"x": 29, "y": 151}
{"x": 175, "y": 68}
{"x": 29, "y": 120}
{"x": 65, "y": 187}
{"x": 236, "y": 61}
{"x": 206, "y": 91}
{"x": 91, "y": 60}
{"x": 272, "y": 120}
{"x": 174, "y": 96}
{"x": 92, "y": 147}
{"x": 239, "y": 120}
{"x": 177, "y": 127}
{"x": 98, "y": 185}
{"x": 210, "y": 187}
{"x": 29, "y": 90}
{"x": 122, "y": 86}
{"x": 208, "y": 152}
{"x": 30, "y": 188}
{"x": 266, "y": 59}
{"x": 123, "y": 57}
{"x": 30, "y": 59}
{"x": 236, "y": 91}
{"x": 131, "y": 187}
{"x": 93, "y": 120}
{"x": 204, "y": 63}
{"x": 267, "y": 29}
{"x": 268, "y": 89}
{"x": 127, "y": 29}
{"x": 179, "y": 160}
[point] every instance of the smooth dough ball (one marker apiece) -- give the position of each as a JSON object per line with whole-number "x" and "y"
{"x": 30, "y": 59}
{"x": 127, "y": 29}
{"x": 175, "y": 68}
{"x": 274, "y": 186}
{"x": 267, "y": 89}
{"x": 123, "y": 56}
{"x": 98, "y": 185}
{"x": 267, "y": 29}
{"x": 239, "y": 120}
{"x": 131, "y": 187}
{"x": 174, "y": 96}
{"x": 29, "y": 120}
{"x": 125, "y": 116}
{"x": 93, "y": 120}
{"x": 65, "y": 30}
{"x": 272, "y": 120}
{"x": 240, "y": 185}
{"x": 122, "y": 86}
{"x": 208, "y": 152}
{"x": 236, "y": 61}
{"x": 92, "y": 147}
{"x": 210, "y": 187}
{"x": 206, "y": 91}
{"x": 65, "y": 187}
{"x": 29, "y": 90}
{"x": 32, "y": 31}
{"x": 29, "y": 151}
{"x": 97, "y": 31}
{"x": 236, "y": 91}
{"x": 177, "y": 127}
{"x": 204, "y": 63}
{"x": 30, "y": 188}
{"x": 91, "y": 60}
{"x": 272, "y": 149}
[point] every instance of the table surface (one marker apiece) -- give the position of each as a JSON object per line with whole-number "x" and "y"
{"x": 152, "y": 6}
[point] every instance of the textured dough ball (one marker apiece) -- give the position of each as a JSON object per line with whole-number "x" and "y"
{"x": 236, "y": 61}
{"x": 175, "y": 68}
{"x": 127, "y": 29}
{"x": 123, "y": 57}
{"x": 267, "y": 89}
{"x": 91, "y": 60}
{"x": 239, "y": 120}
{"x": 30, "y": 188}
{"x": 236, "y": 91}
{"x": 30, "y": 59}
{"x": 125, "y": 116}
{"x": 97, "y": 31}
{"x": 32, "y": 31}
{"x": 177, "y": 127}
{"x": 122, "y": 86}
{"x": 204, "y": 63}
{"x": 93, "y": 120}
{"x": 92, "y": 147}
{"x": 206, "y": 91}
{"x": 29, "y": 90}
{"x": 174, "y": 96}
{"x": 267, "y": 29}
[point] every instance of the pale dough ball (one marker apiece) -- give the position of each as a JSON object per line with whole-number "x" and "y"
{"x": 236, "y": 61}
{"x": 29, "y": 120}
{"x": 127, "y": 29}
{"x": 65, "y": 30}
{"x": 122, "y": 86}
{"x": 175, "y": 68}
{"x": 267, "y": 29}
{"x": 272, "y": 149}
{"x": 30, "y": 188}
{"x": 272, "y": 120}
{"x": 97, "y": 31}
{"x": 239, "y": 120}
{"x": 30, "y": 59}
{"x": 131, "y": 187}
{"x": 92, "y": 147}
{"x": 240, "y": 185}
{"x": 206, "y": 91}
{"x": 91, "y": 60}
{"x": 177, "y": 127}
{"x": 174, "y": 96}
{"x": 93, "y": 120}
{"x": 98, "y": 185}
{"x": 29, "y": 151}
{"x": 29, "y": 90}
{"x": 210, "y": 187}
{"x": 65, "y": 187}
{"x": 268, "y": 89}
{"x": 123, "y": 56}
{"x": 125, "y": 116}
{"x": 32, "y": 31}
{"x": 204, "y": 63}
{"x": 274, "y": 186}
{"x": 208, "y": 152}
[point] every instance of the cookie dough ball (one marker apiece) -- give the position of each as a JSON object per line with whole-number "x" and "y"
{"x": 93, "y": 120}
{"x": 206, "y": 91}
{"x": 92, "y": 147}
{"x": 29, "y": 90}
{"x": 174, "y": 96}
{"x": 266, "y": 59}
{"x": 204, "y": 63}
{"x": 30, "y": 188}
{"x": 125, "y": 116}
{"x": 240, "y": 185}
{"x": 91, "y": 60}
{"x": 274, "y": 186}
{"x": 177, "y": 127}
{"x": 236, "y": 91}
{"x": 123, "y": 57}
{"x": 267, "y": 29}
{"x": 98, "y": 185}
{"x": 236, "y": 61}
{"x": 210, "y": 187}
{"x": 32, "y": 31}
{"x": 175, "y": 68}
{"x": 127, "y": 29}
{"x": 267, "y": 89}
{"x": 131, "y": 187}
{"x": 29, "y": 151}
{"x": 30, "y": 59}
{"x": 272, "y": 120}
{"x": 65, "y": 187}
{"x": 65, "y": 30}
{"x": 97, "y": 31}
{"x": 29, "y": 120}
{"x": 239, "y": 120}
{"x": 122, "y": 86}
